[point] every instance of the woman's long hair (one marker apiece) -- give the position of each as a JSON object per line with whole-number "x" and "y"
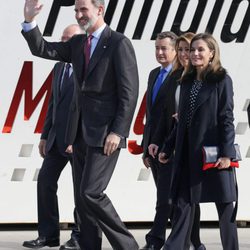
{"x": 214, "y": 66}
{"x": 186, "y": 37}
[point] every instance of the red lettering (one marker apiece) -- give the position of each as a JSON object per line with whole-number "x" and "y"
{"x": 138, "y": 129}
{"x": 24, "y": 85}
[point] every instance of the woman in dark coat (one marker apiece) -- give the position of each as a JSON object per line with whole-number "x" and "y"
{"x": 182, "y": 47}
{"x": 205, "y": 118}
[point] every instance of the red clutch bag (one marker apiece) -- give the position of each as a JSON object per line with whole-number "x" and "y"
{"x": 210, "y": 156}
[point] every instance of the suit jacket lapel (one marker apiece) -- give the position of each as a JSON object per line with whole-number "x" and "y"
{"x": 184, "y": 100}
{"x": 65, "y": 88}
{"x": 204, "y": 94}
{"x": 79, "y": 47}
{"x": 151, "y": 86}
{"x": 161, "y": 88}
{"x": 58, "y": 78}
{"x": 101, "y": 47}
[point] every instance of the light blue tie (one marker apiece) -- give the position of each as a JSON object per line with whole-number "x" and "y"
{"x": 158, "y": 84}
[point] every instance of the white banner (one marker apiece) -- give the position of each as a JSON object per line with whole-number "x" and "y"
{"x": 25, "y": 81}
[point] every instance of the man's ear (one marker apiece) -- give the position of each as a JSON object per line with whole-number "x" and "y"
{"x": 101, "y": 10}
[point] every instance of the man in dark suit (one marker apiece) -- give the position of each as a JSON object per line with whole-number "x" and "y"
{"x": 160, "y": 93}
{"x": 105, "y": 96}
{"x": 52, "y": 148}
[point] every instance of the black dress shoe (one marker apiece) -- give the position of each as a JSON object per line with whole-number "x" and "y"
{"x": 149, "y": 247}
{"x": 42, "y": 242}
{"x": 71, "y": 244}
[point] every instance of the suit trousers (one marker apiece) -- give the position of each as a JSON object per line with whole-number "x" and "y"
{"x": 92, "y": 173}
{"x": 182, "y": 225}
{"x": 162, "y": 177}
{"x": 164, "y": 211}
{"x": 47, "y": 203}
{"x": 185, "y": 216}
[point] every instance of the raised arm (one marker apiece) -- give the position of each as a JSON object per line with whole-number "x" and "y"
{"x": 31, "y": 9}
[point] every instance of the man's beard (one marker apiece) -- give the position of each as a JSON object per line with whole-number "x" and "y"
{"x": 88, "y": 25}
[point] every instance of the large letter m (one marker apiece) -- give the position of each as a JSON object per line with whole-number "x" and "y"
{"x": 25, "y": 86}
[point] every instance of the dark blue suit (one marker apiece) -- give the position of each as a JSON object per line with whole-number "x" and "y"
{"x": 104, "y": 101}
{"x": 55, "y": 159}
{"x": 161, "y": 174}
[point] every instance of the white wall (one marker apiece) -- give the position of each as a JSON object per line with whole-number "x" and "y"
{"x": 134, "y": 200}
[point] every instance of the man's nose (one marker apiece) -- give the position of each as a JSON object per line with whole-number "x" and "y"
{"x": 160, "y": 51}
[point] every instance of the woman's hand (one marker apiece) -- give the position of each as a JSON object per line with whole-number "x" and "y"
{"x": 223, "y": 163}
{"x": 152, "y": 150}
{"x": 69, "y": 149}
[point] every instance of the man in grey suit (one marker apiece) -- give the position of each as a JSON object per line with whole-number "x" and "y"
{"x": 105, "y": 97}
{"x": 52, "y": 148}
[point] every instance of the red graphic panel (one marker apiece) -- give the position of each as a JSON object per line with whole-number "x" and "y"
{"x": 138, "y": 128}
{"x": 25, "y": 86}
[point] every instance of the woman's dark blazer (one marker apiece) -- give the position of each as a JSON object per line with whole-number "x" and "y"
{"x": 211, "y": 125}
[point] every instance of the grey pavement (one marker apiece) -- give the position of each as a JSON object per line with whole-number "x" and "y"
{"x": 12, "y": 240}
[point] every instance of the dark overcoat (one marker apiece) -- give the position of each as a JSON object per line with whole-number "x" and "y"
{"x": 211, "y": 125}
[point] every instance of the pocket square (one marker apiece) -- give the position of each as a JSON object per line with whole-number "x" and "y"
{"x": 210, "y": 156}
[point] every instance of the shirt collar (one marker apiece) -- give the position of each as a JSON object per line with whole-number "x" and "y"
{"x": 168, "y": 68}
{"x": 96, "y": 34}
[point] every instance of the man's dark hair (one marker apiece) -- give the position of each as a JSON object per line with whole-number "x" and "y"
{"x": 168, "y": 34}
